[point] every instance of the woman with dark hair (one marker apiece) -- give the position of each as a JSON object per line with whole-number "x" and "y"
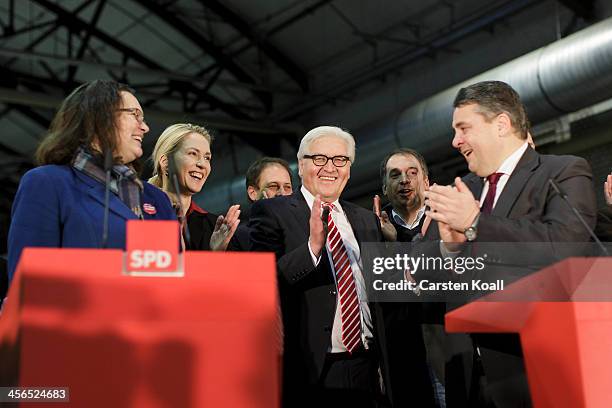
{"x": 186, "y": 148}
{"x": 61, "y": 202}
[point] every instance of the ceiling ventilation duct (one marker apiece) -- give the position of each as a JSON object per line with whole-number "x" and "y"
{"x": 563, "y": 77}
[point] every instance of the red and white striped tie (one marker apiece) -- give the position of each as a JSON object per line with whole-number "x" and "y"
{"x": 347, "y": 291}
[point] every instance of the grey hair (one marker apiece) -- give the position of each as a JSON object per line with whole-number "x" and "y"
{"x": 329, "y": 131}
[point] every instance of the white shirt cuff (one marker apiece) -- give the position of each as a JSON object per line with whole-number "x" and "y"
{"x": 315, "y": 259}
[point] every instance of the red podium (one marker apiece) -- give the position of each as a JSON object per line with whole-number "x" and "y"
{"x": 563, "y": 314}
{"x": 208, "y": 339}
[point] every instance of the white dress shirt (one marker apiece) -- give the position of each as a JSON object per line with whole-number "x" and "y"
{"x": 403, "y": 223}
{"x": 507, "y": 167}
{"x": 354, "y": 254}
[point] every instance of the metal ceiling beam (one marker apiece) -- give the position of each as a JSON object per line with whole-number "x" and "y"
{"x": 85, "y": 40}
{"x": 297, "y": 17}
{"x": 243, "y": 27}
{"x": 185, "y": 28}
{"x": 34, "y": 116}
{"x": 459, "y": 30}
{"x": 9, "y": 151}
{"x": 291, "y": 20}
{"x": 8, "y": 32}
{"x": 70, "y": 20}
{"x": 11, "y": 17}
{"x": 38, "y": 56}
{"x": 44, "y": 100}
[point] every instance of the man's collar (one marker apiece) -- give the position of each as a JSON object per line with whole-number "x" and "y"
{"x": 310, "y": 199}
{"x": 400, "y": 220}
{"x": 508, "y": 166}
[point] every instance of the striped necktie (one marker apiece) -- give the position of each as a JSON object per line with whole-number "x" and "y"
{"x": 347, "y": 290}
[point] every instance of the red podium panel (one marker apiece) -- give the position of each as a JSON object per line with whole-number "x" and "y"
{"x": 208, "y": 339}
{"x": 563, "y": 314}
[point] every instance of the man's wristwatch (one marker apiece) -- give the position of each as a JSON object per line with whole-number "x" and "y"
{"x": 472, "y": 231}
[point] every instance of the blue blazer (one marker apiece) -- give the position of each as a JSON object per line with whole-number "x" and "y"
{"x": 59, "y": 206}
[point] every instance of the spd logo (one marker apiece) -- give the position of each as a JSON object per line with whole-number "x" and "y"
{"x": 149, "y": 259}
{"x": 152, "y": 248}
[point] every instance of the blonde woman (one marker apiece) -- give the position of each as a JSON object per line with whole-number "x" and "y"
{"x": 186, "y": 147}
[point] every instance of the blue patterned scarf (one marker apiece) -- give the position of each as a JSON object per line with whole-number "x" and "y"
{"x": 124, "y": 181}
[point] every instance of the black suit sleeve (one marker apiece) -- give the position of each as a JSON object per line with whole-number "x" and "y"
{"x": 604, "y": 224}
{"x": 267, "y": 234}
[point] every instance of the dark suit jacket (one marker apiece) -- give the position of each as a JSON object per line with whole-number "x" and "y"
{"x": 201, "y": 227}
{"x": 241, "y": 240}
{"x": 403, "y": 234}
{"x": 59, "y": 206}
{"x": 528, "y": 210}
{"x": 308, "y": 293}
{"x": 404, "y": 332}
{"x": 604, "y": 224}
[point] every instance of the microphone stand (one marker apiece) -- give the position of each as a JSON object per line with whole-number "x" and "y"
{"x": 108, "y": 166}
{"x": 175, "y": 184}
{"x": 563, "y": 195}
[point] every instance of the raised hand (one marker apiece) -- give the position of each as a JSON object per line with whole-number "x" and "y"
{"x": 388, "y": 229}
{"x": 454, "y": 206}
{"x": 225, "y": 227}
{"x": 608, "y": 190}
{"x": 317, "y": 232}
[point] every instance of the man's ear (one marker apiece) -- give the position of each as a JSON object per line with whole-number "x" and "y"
{"x": 504, "y": 124}
{"x": 384, "y": 189}
{"x": 252, "y": 193}
{"x": 426, "y": 183}
{"x": 300, "y": 167}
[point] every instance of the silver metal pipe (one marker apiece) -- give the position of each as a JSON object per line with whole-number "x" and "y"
{"x": 565, "y": 76}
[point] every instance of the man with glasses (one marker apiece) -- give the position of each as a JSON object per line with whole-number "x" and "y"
{"x": 330, "y": 336}
{"x": 266, "y": 177}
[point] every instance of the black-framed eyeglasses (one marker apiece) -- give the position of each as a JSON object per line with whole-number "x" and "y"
{"x": 321, "y": 160}
{"x": 134, "y": 111}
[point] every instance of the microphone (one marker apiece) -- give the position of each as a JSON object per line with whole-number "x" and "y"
{"x": 563, "y": 195}
{"x": 177, "y": 191}
{"x": 108, "y": 167}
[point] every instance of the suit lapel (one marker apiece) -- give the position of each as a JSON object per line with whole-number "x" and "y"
{"x": 96, "y": 191}
{"x": 300, "y": 210}
{"x": 519, "y": 177}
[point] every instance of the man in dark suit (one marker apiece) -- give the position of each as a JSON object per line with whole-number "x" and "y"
{"x": 333, "y": 335}
{"x": 405, "y": 177}
{"x": 507, "y": 197}
{"x": 266, "y": 177}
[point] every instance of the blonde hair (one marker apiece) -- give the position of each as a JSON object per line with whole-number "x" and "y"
{"x": 169, "y": 142}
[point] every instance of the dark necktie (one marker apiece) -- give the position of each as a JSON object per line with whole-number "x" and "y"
{"x": 487, "y": 205}
{"x": 347, "y": 290}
